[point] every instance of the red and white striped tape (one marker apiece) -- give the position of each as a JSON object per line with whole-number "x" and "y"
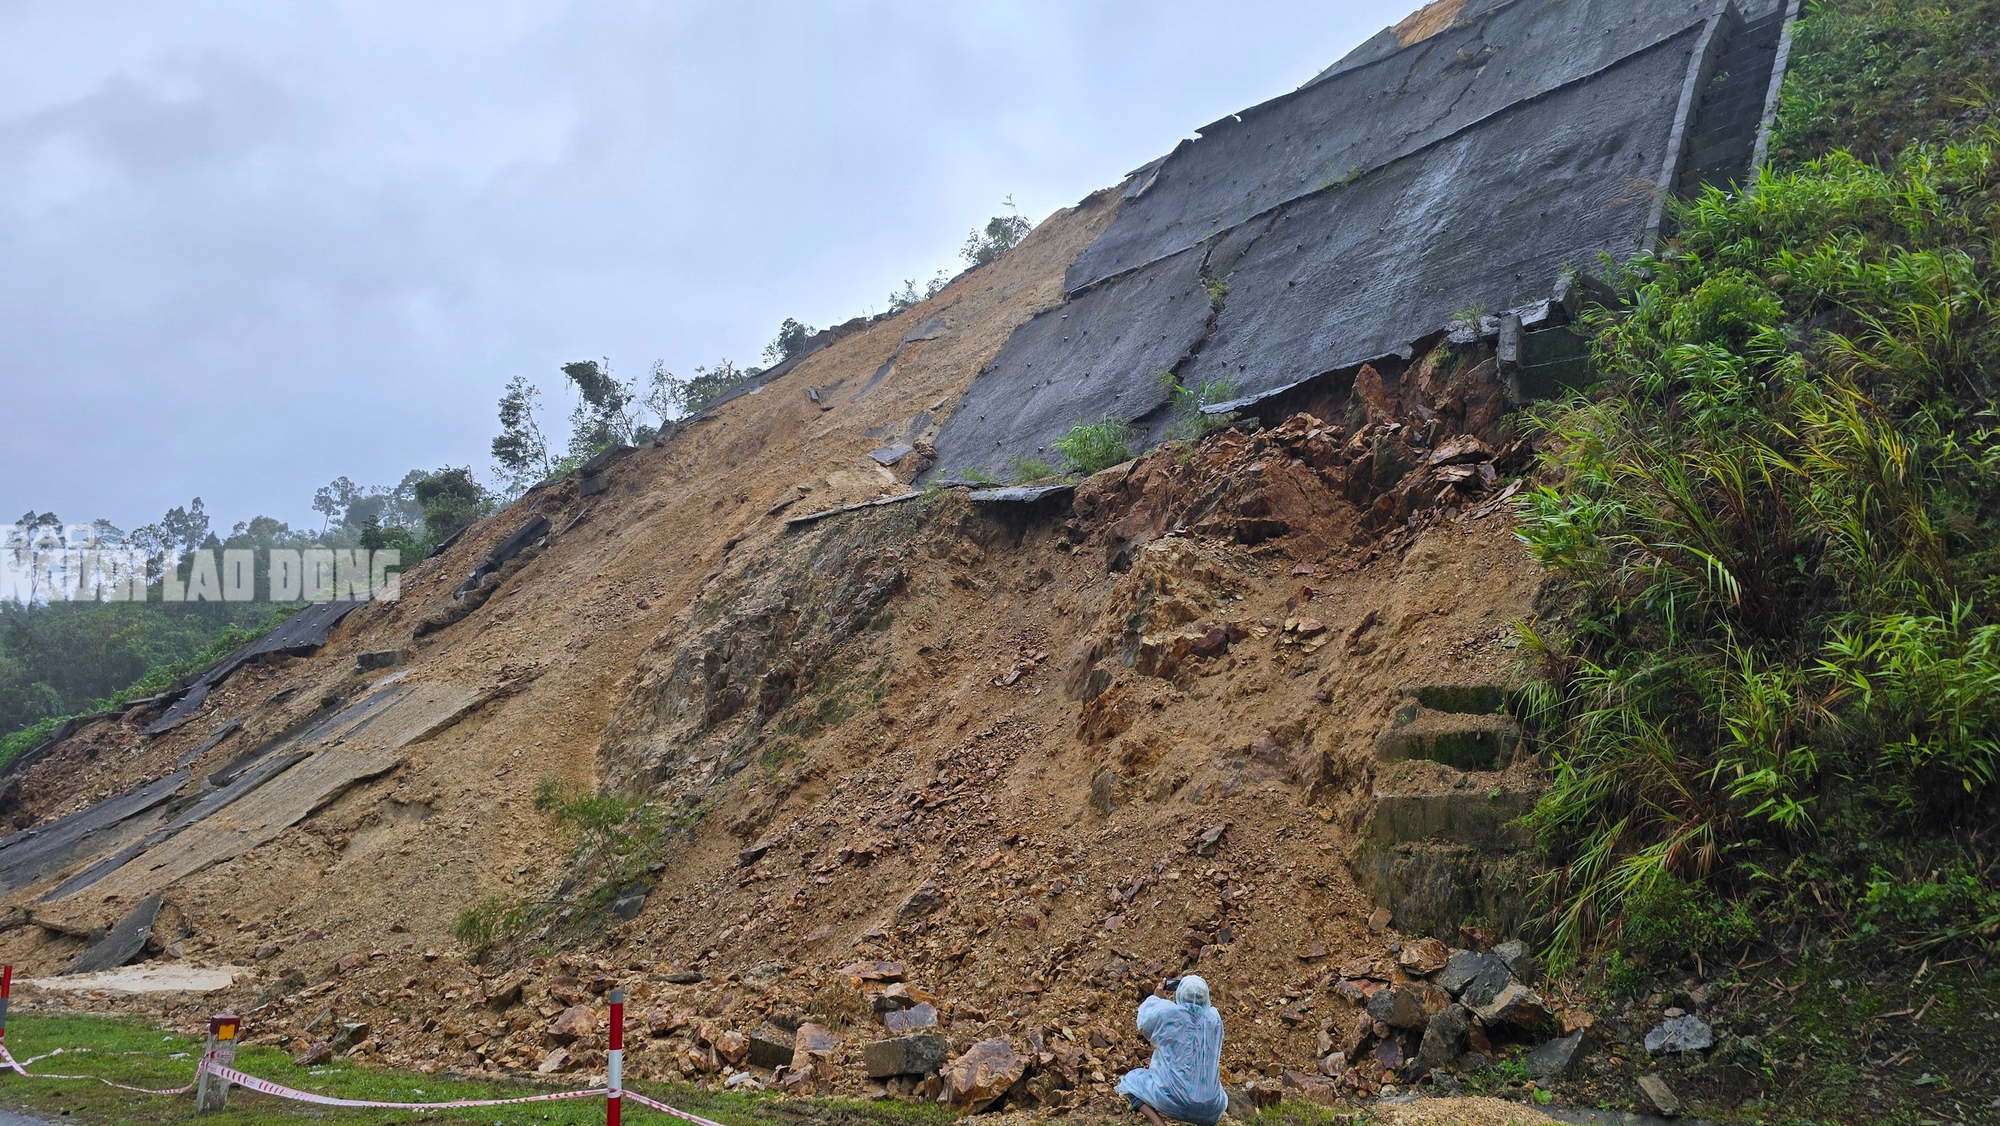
{"x": 665, "y": 1109}
{"x": 614, "y": 1093}
{"x": 265, "y": 1086}
{"x": 7, "y": 1059}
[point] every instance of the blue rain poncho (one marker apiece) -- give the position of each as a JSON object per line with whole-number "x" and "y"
{"x": 1184, "y": 1078}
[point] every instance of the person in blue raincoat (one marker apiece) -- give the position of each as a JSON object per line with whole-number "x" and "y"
{"x": 1184, "y": 1078}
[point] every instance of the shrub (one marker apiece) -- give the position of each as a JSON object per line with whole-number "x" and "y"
{"x": 1021, "y": 470}
{"x": 1092, "y": 446}
{"x": 1185, "y": 417}
{"x": 1001, "y": 234}
{"x": 1777, "y": 518}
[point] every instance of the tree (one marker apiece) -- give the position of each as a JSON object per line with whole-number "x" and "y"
{"x": 1002, "y": 234}
{"x": 451, "y": 501}
{"x": 601, "y": 420}
{"x": 521, "y": 450}
{"x": 333, "y": 500}
{"x": 908, "y": 297}
{"x": 790, "y": 342}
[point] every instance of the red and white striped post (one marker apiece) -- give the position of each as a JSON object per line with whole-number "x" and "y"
{"x": 614, "y": 1094}
{"x": 6, "y": 987}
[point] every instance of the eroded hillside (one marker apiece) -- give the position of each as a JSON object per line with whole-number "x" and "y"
{"x": 804, "y": 753}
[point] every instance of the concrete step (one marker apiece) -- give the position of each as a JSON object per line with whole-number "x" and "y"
{"x": 1435, "y": 888}
{"x": 1482, "y": 816}
{"x": 1471, "y": 699}
{"x": 1444, "y": 850}
{"x": 1459, "y": 740}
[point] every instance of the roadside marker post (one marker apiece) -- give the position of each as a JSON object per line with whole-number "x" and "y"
{"x": 211, "y": 1092}
{"x": 614, "y": 1094}
{"x": 6, "y": 988}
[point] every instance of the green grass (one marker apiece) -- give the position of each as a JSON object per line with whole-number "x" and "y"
{"x": 130, "y": 1052}
{"x": 1093, "y": 446}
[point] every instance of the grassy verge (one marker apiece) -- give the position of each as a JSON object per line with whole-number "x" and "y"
{"x": 130, "y": 1052}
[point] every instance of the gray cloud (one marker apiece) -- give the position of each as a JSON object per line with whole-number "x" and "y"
{"x": 245, "y": 249}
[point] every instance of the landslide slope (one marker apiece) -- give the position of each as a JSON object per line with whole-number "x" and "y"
{"x": 982, "y": 739}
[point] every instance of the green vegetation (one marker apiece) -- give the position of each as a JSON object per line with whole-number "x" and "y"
{"x": 790, "y": 341}
{"x": 1022, "y": 470}
{"x": 1185, "y": 418}
{"x": 62, "y": 658}
{"x": 129, "y": 1052}
{"x": 909, "y": 297}
{"x": 1218, "y": 292}
{"x": 1778, "y": 518}
{"x": 1092, "y": 446}
{"x": 1001, "y": 234}
{"x": 619, "y": 840}
{"x": 1873, "y": 76}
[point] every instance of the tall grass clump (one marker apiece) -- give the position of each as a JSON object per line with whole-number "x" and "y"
{"x": 1778, "y": 519}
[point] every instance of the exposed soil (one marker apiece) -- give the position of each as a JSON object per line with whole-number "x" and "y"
{"x": 983, "y": 742}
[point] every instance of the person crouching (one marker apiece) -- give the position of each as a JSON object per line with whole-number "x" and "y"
{"x": 1183, "y": 1080}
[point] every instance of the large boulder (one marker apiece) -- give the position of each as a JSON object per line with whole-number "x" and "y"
{"x": 977, "y": 1079}
{"x": 1444, "y": 1039}
{"x": 1409, "y": 1005}
{"x": 920, "y": 1054}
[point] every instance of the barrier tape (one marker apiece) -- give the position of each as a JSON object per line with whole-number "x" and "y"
{"x": 642, "y": 1100}
{"x": 228, "y": 1024}
{"x": 265, "y": 1086}
{"x": 7, "y": 1058}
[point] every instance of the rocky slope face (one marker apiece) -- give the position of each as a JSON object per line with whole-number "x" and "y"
{"x": 874, "y": 761}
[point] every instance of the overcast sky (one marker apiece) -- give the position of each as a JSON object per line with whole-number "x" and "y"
{"x": 246, "y": 248}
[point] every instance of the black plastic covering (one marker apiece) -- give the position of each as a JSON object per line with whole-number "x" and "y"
{"x": 1352, "y": 122}
{"x": 1404, "y": 187}
{"x": 1486, "y": 221}
{"x": 1099, "y": 355}
{"x": 303, "y": 632}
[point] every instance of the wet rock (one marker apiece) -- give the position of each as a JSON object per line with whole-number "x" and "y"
{"x": 921, "y": 1015}
{"x": 1444, "y": 1038}
{"x": 558, "y": 1060}
{"x": 1519, "y": 961}
{"x": 1492, "y": 978}
{"x": 927, "y": 898}
{"x": 733, "y": 1046}
{"x": 1557, "y": 1058}
{"x": 1684, "y": 1033}
{"x": 753, "y": 854}
{"x": 683, "y": 978}
{"x": 919, "y": 1054}
{"x": 874, "y": 971}
{"x": 1459, "y": 971}
{"x": 1379, "y": 921}
{"x": 1659, "y": 1096}
{"x": 576, "y": 1023}
{"x": 1408, "y": 1006}
{"x": 318, "y": 1053}
{"x": 977, "y": 1079}
{"x": 1423, "y": 957}
{"x": 1515, "y": 1004}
